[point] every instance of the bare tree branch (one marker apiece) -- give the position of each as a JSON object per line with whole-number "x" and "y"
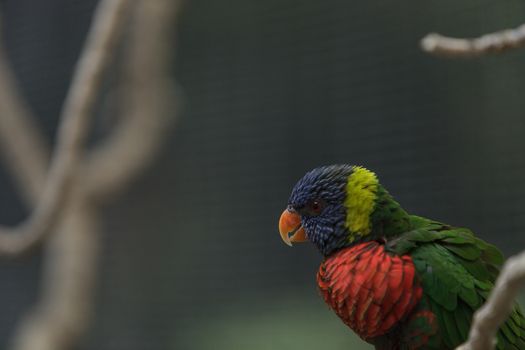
{"x": 148, "y": 108}
{"x": 64, "y": 309}
{"x": 22, "y": 144}
{"x": 489, "y": 43}
{"x": 108, "y": 23}
{"x": 497, "y": 308}
{"x": 488, "y": 319}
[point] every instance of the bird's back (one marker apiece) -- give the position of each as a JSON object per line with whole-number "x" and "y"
{"x": 457, "y": 271}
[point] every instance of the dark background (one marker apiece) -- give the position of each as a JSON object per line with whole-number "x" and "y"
{"x": 192, "y": 258}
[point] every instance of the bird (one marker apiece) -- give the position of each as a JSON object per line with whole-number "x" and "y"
{"x": 399, "y": 281}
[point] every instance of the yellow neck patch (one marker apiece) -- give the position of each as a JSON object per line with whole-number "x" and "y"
{"x": 361, "y": 191}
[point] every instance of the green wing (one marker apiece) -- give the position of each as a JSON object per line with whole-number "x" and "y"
{"x": 457, "y": 272}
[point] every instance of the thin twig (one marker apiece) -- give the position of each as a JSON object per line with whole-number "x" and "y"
{"x": 489, "y": 43}
{"x": 497, "y": 308}
{"x": 108, "y": 23}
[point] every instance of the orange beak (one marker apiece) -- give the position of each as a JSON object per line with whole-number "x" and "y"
{"x": 290, "y": 227}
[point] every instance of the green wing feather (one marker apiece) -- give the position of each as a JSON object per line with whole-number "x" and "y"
{"x": 457, "y": 272}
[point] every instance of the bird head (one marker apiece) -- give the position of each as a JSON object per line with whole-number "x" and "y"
{"x": 335, "y": 206}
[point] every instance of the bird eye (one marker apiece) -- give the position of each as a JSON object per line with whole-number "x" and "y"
{"x": 315, "y": 207}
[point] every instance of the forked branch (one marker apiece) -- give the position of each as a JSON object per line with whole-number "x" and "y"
{"x": 64, "y": 308}
{"x": 108, "y": 23}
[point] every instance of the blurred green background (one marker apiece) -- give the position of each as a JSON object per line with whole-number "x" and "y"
{"x": 192, "y": 258}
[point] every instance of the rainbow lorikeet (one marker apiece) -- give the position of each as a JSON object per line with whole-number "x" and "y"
{"x": 400, "y": 281}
